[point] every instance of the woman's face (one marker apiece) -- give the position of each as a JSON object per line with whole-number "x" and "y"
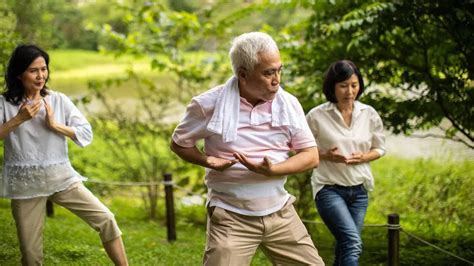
{"x": 35, "y": 76}
{"x": 346, "y": 91}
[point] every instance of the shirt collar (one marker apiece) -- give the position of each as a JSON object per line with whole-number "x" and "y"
{"x": 358, "y": 107}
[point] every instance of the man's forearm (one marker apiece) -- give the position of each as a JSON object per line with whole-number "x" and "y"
{"x": 305, "y": 159}
{"x": 189, "y": 154}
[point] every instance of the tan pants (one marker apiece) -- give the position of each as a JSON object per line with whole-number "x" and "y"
{"x": 232, "y": 238}
{"x": 29, "y": 218}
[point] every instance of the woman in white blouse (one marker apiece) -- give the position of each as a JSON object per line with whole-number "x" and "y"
{"x": 349, "y": 135}
{"x": 34, "y": 124}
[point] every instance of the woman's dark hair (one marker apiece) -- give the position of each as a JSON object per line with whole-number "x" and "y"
{"x": 21, "y": 58}
{"x": 338, "y": 72}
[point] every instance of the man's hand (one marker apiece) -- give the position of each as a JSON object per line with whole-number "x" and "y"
{"x": 219, "y": 164}
{"x": 264, "y": 167}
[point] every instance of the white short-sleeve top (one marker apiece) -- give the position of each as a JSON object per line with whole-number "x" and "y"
{"x": 36, "y": 161}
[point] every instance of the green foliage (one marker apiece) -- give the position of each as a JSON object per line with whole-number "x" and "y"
{"x": 8, "y": 37}
{"x": 62, "y": 24}
{"x": 417, "y": 55}
{"x": 133, "y": 141}
{"x": 429, "y": 194}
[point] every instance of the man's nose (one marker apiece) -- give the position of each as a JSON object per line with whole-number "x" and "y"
{"x": 276, "y": 79}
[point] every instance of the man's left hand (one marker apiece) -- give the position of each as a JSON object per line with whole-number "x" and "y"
{"x": 263, "y": 168}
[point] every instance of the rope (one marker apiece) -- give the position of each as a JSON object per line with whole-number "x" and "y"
{"x": 365, "y": 225}
{"x": 310, "y": 222}
{"x": 434, "y": 246}
{"x": 118, "y": 183}
{"x": 189, "y": 192}
{"x": 166, "y": 183}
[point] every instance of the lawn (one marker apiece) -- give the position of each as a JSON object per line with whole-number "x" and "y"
{"x": 72, "y": 70}
{"x": 70, "y": 241}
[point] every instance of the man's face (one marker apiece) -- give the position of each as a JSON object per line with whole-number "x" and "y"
{"x": 263, "y": 82}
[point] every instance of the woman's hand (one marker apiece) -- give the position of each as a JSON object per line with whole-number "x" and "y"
{"x": 334, "y": 155}
{"x": 49, "y": 118}
{"x": 263, "y": 168}
{"x": 28, "y": 110}
{"x": 356, "y": 158}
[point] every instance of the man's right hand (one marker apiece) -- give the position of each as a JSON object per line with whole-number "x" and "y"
{"x": 219, "y": 164}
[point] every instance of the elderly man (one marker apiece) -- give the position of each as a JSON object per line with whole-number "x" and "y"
{"x": 249, "y": 126}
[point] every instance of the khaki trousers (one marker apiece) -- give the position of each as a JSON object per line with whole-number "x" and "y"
{"x": 232, "y": 239}
{"x": 29, "y": 218}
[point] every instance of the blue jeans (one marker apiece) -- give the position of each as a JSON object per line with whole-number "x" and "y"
{"x": 343, "y": 211}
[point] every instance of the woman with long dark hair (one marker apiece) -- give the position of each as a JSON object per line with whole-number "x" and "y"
{"x": 35, "y": 123}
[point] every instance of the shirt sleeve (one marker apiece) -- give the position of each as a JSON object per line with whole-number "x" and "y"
{"x": 302, "y": 138}
{"x": 378, "y": 135}
{"x": 192, "y": 127}
{"x": 2, "y": 110}
{"x": 78, "y": 122}
{"x": 313, "y": 126}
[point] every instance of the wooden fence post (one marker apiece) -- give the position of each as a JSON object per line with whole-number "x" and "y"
{"x": 393, "y": 239}
{"x": 49, "y": 208}
{"x": 170, "y": 218}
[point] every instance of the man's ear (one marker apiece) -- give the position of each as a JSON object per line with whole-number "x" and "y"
{"x": 241, "y": 73}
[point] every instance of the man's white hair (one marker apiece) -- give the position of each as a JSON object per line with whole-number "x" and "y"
{"x": 246, "y": 47}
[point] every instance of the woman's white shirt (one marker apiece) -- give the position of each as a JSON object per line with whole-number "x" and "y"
{"x": 364, "y": 134}
{"x": 36, "y": 161}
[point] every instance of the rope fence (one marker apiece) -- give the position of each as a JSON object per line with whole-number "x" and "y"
{"x": 400, "y": 228}
{"x": 434, "y": 246}
{"x": 393, "y": 226}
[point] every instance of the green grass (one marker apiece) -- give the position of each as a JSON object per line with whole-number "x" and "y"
{"x": 70, "y": 241}
{"x": 71, "y": 70}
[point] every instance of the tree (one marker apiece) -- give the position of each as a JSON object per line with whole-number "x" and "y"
{"x": 191, "y": 50}
{"x": 417, "y": 55}
{"x": 8, "y": 37}
{"x": 138, "y": 132}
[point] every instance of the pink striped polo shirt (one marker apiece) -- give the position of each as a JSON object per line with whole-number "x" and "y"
{"x": 238, "y": 189}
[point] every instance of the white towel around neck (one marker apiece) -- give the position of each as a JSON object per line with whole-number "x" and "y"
{"x": 225, "y": 119}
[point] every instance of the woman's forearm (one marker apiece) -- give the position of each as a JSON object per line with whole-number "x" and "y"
{"x": 9, "y": 126}
{"x": 64, "y": 130}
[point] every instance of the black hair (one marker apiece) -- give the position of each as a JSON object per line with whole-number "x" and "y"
{"x": 20, "y": 59}
{"x": 338, "y": 72}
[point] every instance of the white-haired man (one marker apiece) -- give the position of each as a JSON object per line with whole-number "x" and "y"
{"x": 249, "y": 126}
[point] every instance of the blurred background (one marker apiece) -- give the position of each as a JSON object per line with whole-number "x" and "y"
{"x": 133, "y": 65}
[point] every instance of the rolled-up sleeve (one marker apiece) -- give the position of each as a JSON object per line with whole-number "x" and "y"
{"x": 192, "y": 127}
{"x": 378, "y": 135}
{"x": 78, "y": 122}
